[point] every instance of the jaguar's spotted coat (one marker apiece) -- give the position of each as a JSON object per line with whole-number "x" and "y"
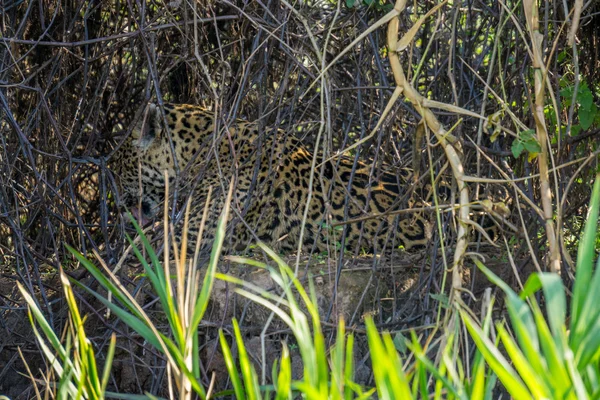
{"x": 271, "y": 171}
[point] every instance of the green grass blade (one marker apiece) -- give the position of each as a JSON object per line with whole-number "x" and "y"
{"x": 587, "y": 319}
{"x": 123, "y": 396}
{"x": 501, "y": 367}
{"x": 553, "y": 352}
{"x": 89, "y": 374}
{"x": 41, "y": 320}
{"x": 585, "y": 256}
{"x": 337, "y": 363}
{"x": 248, "y": 372}
{"x": 578, "y": 385}
{"x": 477, "y": 388}
{"x": 349, "y": 368}
{"x": 284, "y": 378}
{"x": 65, "y": 388}
{"x": 588, "y": 349}
{"x": 554, "y": 294}
{"x": 108, "y": 364}
{"x": 390, "y": 380}
{"x": 257, "y": 299}
{"x": 209, "y": 278}
{"x": 231, "y": 369}
{"x": 523, "y": 323}
{"x": 438, "y": 372}
{"x": 133, "y": 321}
{"x": 52, "y": 358}
{"x": 535, "y": 383}
{"x": 240, "y": 282}
{"x": 157, "y": 279}
{"x": 104, "y": 281}
{"x": 149, "y": 250}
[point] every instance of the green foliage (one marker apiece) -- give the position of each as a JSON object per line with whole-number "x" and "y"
{"x": 379, "y": 5}
{"x": 333, "y": 376}
{"x": 533, "y": 357}
{"x": 587, "y": 111}
{"x": 73, "y": 362}
{"x": 184, "y": 304}
{"x": 582, "y": 100}
{"x": 526, "y": 141}
{"x": 323, "y": 377}
{"x": 555, "y": 358}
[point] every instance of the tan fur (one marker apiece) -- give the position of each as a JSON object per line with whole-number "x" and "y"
{"x": 271, "y": 171}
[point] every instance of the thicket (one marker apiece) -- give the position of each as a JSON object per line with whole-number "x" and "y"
{"x": 510, "y": 112}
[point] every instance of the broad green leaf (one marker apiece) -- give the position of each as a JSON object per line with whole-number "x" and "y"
{"x": 587, "y": 116}
{"x": 517, "y": 148}
{"x": 532, "y": 146}
{"x": 587, "y": 349}
{"x": 553, "y": 350}
{"x": 585, "y": 98}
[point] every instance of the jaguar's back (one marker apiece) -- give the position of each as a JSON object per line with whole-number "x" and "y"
{"x": 272, "y": 173}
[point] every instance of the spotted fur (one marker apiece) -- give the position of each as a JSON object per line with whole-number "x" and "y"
{"x": 271, "y": 170}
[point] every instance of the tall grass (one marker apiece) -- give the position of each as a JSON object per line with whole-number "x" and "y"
{"x": 554, "y": 357}
{"x": 530, "y": 356}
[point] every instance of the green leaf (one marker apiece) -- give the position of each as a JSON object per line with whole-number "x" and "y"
{"x": 507, "y": 375}
{"x": 135, "y": 323}
{"x": 209, "y": 278}
{"x": 349, "y": 369}
{"x": 587, "y": 116}
{"x": 585, "y": 256}
{"x": 108, "y": 363}
{"x": 284, "y": 379}
{"x": 526, "y": 140}
{"x": 521, "y": 318}
{"x": 248, "y": 373}
{"x": 533, "y": 378}
{"x": 588, "y": 347}
{"x": 390, "y": 379}
{"x": 527, "y": 134}
{"x": 567, "y": 94}
{"x": 561, "y": 56}
{"x": 532, "y": 146}
{"x": 517, "y": 148}
{"x": 585, "y": 98}
{"x": 553, "y": 351}
{"x": 554, "y": 294}
{"x": 231, "y": 369}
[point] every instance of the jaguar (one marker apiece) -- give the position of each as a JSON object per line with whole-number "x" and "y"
{"x": 349, "y": 204}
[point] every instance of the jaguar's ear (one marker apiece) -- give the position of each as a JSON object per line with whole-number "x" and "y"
{"x": 148, "y": 127}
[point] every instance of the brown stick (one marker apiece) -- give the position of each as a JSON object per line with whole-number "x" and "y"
{"x": 440, "y": 133}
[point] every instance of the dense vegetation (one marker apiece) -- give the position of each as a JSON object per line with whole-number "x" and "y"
{"x": 499, "y": 97}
